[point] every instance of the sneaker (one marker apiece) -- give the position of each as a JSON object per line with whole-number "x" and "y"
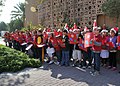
{"x": 114, "y": 68}
{"x": 83, "y": 67}
{"x": 109, "y": 67}
{"x": 89, "y": 67}
{"x": 57, "y": 63}
{"x": 97, "y": 73}
{"x": 73, "y": 65}
{"x": 51, "y": 62}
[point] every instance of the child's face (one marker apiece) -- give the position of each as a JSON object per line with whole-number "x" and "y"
{"x": 96, "y": 31}
{"x": 104, "y": 33}
{"x": 112, "y": 33}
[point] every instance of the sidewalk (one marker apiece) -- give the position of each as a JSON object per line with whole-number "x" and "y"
{"x": 53, "y": 75}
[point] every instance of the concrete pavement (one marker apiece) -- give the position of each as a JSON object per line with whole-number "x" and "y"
{"x": 54, "y": 75}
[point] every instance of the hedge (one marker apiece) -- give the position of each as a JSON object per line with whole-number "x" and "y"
{"x": 12, "y": 60}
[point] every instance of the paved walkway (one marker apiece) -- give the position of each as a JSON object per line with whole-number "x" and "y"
{"x": 53, "y": 75}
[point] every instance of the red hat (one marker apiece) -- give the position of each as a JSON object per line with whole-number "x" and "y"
{"x": 95, "y": 23}
{"x": 75, "y": 26}
{"x": 113, "y": 29}
{"x": 86, "y": 29}
{"x": 66, "y": 26}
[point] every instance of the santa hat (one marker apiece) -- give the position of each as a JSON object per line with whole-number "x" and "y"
{"x": 113, "y": 29}
{"x": 104, "y": 30}
{"x": 94, "y": 23}
{"x": 75, "y": 26}
{"x": 66, "y": 27}
{"x": 116, "y": 28}
{"x": 59, "y": 30}
{"x": 86, "y": 29}
{"x": 98, "y": 28}
{"x": 70, "y": 30}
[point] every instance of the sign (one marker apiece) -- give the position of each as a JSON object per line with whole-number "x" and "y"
{"x": 88, "y": 37}
{"x": 73, "y": 38}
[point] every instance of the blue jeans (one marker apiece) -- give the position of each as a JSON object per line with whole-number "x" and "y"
{"x": 96, "y": 57}
{"x": 65, "y": 58}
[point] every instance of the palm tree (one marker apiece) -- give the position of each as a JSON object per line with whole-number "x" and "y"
{"x": 19, "y": 12}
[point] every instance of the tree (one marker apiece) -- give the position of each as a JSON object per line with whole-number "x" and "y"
{"x": 112, "y": 9}
{"x": 15, "y": 24}
{"x": 3, "y": 26}
{"x": 19, "y": 12}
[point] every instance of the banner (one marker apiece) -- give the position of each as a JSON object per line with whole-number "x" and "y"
{"x": 88, "y": 37}
{"x": 81, "y": 46}
{"x": 72, "y": 38}
{"x": 111, "y": 45}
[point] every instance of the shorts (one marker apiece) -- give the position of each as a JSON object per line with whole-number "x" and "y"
{"x": 77, "y": 54}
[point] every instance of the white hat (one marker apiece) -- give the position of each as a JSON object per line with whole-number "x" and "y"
{"x": 114, "y": 30}
{"x": 75, "y": 30}
{"x": 98, "y": 28}
{"x": 104, "y": 31}
{"x": 58, "y": 30}
{"x": 86, "y": 29}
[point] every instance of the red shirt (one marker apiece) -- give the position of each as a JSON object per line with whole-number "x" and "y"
{"x": 97, "y": 39}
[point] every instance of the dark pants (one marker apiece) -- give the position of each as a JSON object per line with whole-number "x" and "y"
{"x": 96, "y": 57}
{"x": 10, "y": 44}
{"x": 23, "y": 47}
{"x": 34, "y": 50}
{"x": 104, "y": 60}
{"x": 87, "y": 56}
{"x": 112, "y": 59}
{"x": 65, "y": 58}
{"x": 58, "y": 54}
{"x": 71, "y": 50}
{"x": 39, "y": 53}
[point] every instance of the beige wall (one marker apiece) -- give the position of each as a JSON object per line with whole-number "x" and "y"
{"x": 31, "y": 17}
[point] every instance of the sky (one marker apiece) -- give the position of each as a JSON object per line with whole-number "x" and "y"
{"x": 9, "y": 6}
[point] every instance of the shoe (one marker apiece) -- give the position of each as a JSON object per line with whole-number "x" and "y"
{"x": 57, "y": 63}
{"x": 109, "y": 67}
{"x": 114, "y": 68}
{"x": 89, "y": 67}
{"x": 51, "y": 62}
{"x": 83, "y": 67}
{"x": 97, "y": 72}
{"x": 104, "y": 65}
{"x": 73, "y": 65}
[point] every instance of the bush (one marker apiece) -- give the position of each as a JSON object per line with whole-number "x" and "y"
{"x": 12, "y": 60}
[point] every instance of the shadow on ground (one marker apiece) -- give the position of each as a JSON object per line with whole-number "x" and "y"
{"x": 106, "y": 78}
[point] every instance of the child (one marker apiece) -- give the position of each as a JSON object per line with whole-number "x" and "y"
{"x": 50, "y": 49}
{"x": 104, "y": 53}
{"x": 113, "y": 51}
{"x": 65, "y": 50}
{"x": 50, "y": 52}
{"x": 97, "y": 41}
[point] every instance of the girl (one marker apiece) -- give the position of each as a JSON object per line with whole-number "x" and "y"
{"x": 113, "y": 51}
{"x": 104, "y": 53}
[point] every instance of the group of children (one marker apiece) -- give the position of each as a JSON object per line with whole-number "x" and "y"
{"x": 69, "y": 44}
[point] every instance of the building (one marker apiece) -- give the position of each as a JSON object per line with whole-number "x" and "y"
{"x": 30, "y": 14}
{"x": 54, "y": 13}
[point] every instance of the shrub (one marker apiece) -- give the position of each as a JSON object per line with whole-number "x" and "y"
{"x": 12, "y": 60}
